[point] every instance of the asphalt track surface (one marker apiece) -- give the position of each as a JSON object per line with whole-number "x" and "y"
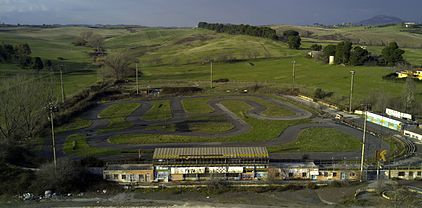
{"x": 181, "y": 120}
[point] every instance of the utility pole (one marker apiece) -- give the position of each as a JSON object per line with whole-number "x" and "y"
{"x": 137, "y": 80}
{"x": 211, "y": 75}
{"x": 293, "y": 76}
{"x": 363, "y": 145}
{"x": 351, "y": 90}
{"x": 61, "y": 82}
{"x": 51, "y": 109}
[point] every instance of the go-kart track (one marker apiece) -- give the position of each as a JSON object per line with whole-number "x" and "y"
{"x": 181, "y": 119}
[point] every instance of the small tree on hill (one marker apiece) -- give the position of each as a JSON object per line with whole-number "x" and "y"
{"x": 38, "y": 64}
{"x": 329, "y": 50}
{"x": 294, "y": 42}
{"x": 118, "y": 64}
{"x": 316, "y": 47}
{"x": 358, "y": 56}
{"x": 393, "y": 54}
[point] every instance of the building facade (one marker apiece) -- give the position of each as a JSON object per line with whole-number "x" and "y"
{"x": 208, "y": 163}
{"x": 129, "y": 174}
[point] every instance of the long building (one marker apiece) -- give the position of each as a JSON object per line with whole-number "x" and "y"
{"x": 207, "y": 163}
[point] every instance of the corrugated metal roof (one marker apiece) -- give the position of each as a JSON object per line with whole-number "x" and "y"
{"x": 210, "y": 152}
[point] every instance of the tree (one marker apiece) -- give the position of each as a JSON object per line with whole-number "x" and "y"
{"x": 294, "y": 42}
{"x": 23, "y": 50}
{"x": 359, "y": 56}
{"x": 38, "y": 64}
{"x": 67, "y": 177}
{"x": 316, "y": 47}
{"x": 25, "y": 62}
{"x": 329, "y": 50}
{"x": 393, "y": 54}
{"x": 48, "y": 64}
{"x": 343, "y": 52}
{"x": 22, "y": 113}
{"x": 97, "y": 42}
{"x": 289, "y": 33}
{"x": 118, "y": 64}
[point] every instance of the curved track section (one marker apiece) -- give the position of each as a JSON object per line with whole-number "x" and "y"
{"x": 181, "y": 120}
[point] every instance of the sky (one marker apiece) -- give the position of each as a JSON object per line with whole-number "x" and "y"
{"x": 187, "y": 13}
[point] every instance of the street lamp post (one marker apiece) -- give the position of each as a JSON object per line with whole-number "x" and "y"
{"x": 293, "y": 76}
{"x": 211, "y": 75}
{"x": 52, "y": 108}
{"x": 61, "y": 82}
{"x": 137, "y": 80}
{"x": 363, "y": 145}
{"x": 351, "y": 90}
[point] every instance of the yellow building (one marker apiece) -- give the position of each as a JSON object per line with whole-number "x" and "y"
{"x": 129, "y": 174}
{"x": 404, "y": 74}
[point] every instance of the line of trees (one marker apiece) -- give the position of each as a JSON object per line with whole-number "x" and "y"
{"x": 20, "y": 54}
{"x": 90, "y": 39}
{"x": 263, "y": 32}
{"x": 345, "y": 53}
{"x": 291, "y": 37}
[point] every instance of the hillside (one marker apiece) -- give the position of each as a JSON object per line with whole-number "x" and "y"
{"x": 177, "y": 54}
{"x": 372, "y": 37}
{"x": 380, "y": 20}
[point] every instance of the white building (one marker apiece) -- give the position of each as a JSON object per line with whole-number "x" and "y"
{"x": 414, "y": 133}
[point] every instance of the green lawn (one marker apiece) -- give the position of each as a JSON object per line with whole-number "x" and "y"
{"x": 117, "y": 114}
{"x": 273, "y": 110}
{"x": 320, "y": 140}
{"x": 74, "y": 124}
{"x": 261, "y": 130}
{"x": 195, "y": 106}
{"x": 77, "y": 145}
{"x": 159, "y": 111}
{"x": 211, "y": 127}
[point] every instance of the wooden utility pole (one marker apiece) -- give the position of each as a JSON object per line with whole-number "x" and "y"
{"x": 137, "y": 80}
{"x": 363, "y": 145}
{"x": 51, "y": 108}
{"x": 61, "y": 83}
{"x": 293, "y": 76}
{"x": 351, "y": 90}
{"x": 211, "y": 75}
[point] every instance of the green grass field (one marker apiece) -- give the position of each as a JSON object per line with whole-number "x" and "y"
{"x": 159, "y": 111}
{"x": 197, "y": 106}
{"x": 74, "y": 124}
{"x": 262, "y": 130}
{"x": 320, "y": 140}
{"x": 77, "y": 145}
{"x": 117, "y": 114}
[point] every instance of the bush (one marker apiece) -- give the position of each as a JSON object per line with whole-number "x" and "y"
{"x": 13, "y": 180}
{"x": 221, "y": 80}
{"x": 321, "y": 94}
{"x": 180, "y": 90}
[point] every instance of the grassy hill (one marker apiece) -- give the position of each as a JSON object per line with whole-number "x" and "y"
{"x": 170, "y": 54}
{"x": 373, "y": 37}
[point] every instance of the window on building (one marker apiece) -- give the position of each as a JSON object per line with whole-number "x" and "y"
{"x": 334, "y": 174}
{"x": 123, "y": 177}
{"x": 401, "y": 173}
{"x": 107, "y": 176}
{"x": 304, "y": 175}
{"x": 290, "y": 175}
{"x": 116, "y": 176}
{"x": 325, "y": 174}
{"x": 141, "y": 177}
{"x": 411, "y": 174}
{"x": 419, "y": 173}
{"x": 352, "y": 174}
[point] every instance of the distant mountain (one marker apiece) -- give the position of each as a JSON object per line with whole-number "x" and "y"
{"x": 380, "y": 20}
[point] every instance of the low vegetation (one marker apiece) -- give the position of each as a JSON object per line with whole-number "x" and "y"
{"x": 77, "y": 145}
